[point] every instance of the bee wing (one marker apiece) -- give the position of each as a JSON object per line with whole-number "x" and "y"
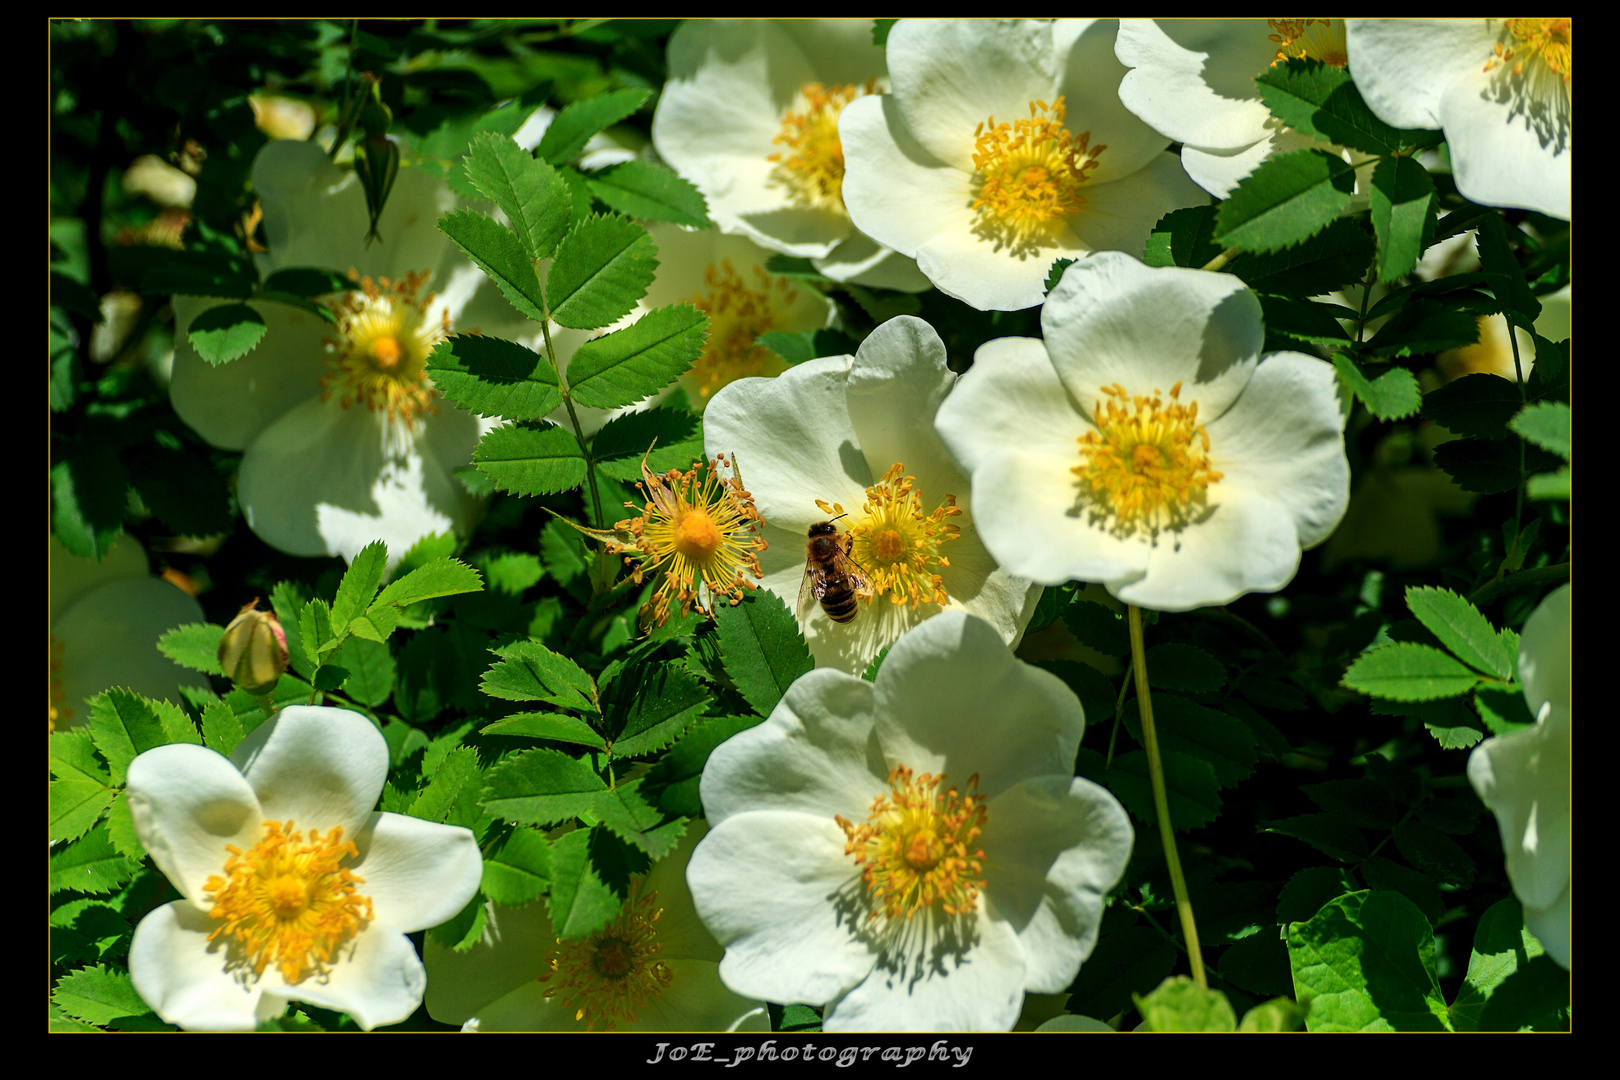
{"x": 807, "y": 594}
{"x": 852, "y": 570}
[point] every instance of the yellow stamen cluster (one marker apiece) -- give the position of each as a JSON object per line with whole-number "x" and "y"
{"x": 916, "y": 846}
{"x": 60, "y": 712}
{"x": 611, "y": 974}
{"x": 1028, "y": 175}
{"x": 288, "y": 901}
{"x": 738, "y": 311}
{"x": 1146, "y": 467}
{"x": 1309, "y": 39}
{"x": 1544, "y": 39}
{"x": 695, "y": 525}
{"x": 896, "y": 544}
{"x": 379, "y": 358}
{"x": 812, "y": 168}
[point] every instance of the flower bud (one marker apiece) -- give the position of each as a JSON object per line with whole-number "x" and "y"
{"x": 253, "y": 650}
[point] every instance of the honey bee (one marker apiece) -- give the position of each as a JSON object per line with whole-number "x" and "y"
{"x": 830, "y": 575}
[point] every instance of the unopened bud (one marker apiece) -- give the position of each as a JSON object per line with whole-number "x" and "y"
{"x": 253, "y": 651}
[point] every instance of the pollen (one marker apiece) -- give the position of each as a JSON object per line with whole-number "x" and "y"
{"x": 1309, "y": 39}
{"x": 1544, "y": 43}
{"x": 698, "y": 528}
{"x": 1028, "y": 175}
{"x": 739, "y": 311}
{"x": 288, "y": 901}
{"x": 1146, "y": 467}
{"x": 896, "y": 543}
{"x": 609, "y": 976}
{"x": 812, "y": 166}
{"x": 916, "y": 848}
{"x": 379, "y": 356}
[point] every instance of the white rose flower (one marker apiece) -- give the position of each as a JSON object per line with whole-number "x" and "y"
{"x": 346, "y": 439}
{"x": 854, "y": 435}
{"x": 1498, "y": 88}
{"x": 1525, "y": 778}
{"x": 653, "y": 968}
{"x": 916, "y": 853}
{"x": 1146, "y": 444}
{"x": 750, "y": 116}
{"x": 294, "y": 888}
{"x": 1003, "y": 148}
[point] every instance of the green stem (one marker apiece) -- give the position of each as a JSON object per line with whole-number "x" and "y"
{"x": 1220, "y": 260}
{"x": 1161, "y": 799}
{"x": 1518, "y": 371}
{"x": 579, "y": 432}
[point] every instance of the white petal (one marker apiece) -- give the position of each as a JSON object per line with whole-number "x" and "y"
{"x": 931, "y": 981}
{"x": 938, "y": 685}
{"x": 109, "y": 638}
{"x": 793, "y": 440}
{"x": 1544, "y": 652}
{"x": 1509, "y": 145}
{"x": 1011, "y": 396}
{"x": 1119, "y": 215}
{"x": 812, "y": 755}
{"x": 776, "y": 889}
{"x": 510, "y": 955}
{"x": 317, "y": 766}
{"x": 182, "y": 976}
{"x": 1402, "y": 67}
{"x": 988, "y": 274}
{"x": 1247, "y": 543}
{"x": 1550, "y": 925}
{"x": 1113, "y": 320}
{"x": 1219, "y": 171}
{"x": 1089, "y": 76}
{"x": 1525, "y": 779}
{"x": 322, "y": 481}
{"x": 1284, "y": 439}
{"x": 188, "y": 804}
{"x": 897, "y": 192}
{"x": 376, "y": 978}
{"x": 860, "y": 260}
{"x": 840, "y": 50}
{"x": 230, "y": 404}
{"x": 417, "y": 873}
{"x": 895, "y": 386}
{"x": 1054, "y": 847}
{"x": 1193, "y": 79}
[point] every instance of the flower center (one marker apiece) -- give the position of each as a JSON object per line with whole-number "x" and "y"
{"x": 289, "y": 901}
{"x": 896, "y": 543}
{"x": 1309, "y": 39}
{"x": 696, "y": 524}
{"x": 738, "y": 313}
{"x": 1532, "y": 40}
{"x": 915, "y": 847}
{"x": 1028, "y": 176}
{"x": 379, "y": 356}
{"x": 812, "y": 167}
{"x": 1147, "y": 464}
{"x": 610, "y": 975}
{"x": 60, "y": 712}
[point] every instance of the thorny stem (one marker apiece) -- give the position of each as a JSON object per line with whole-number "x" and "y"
{"x": 1161, "y": 799}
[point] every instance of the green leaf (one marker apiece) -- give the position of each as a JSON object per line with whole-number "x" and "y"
{"x": 590, "y": 880}
{"x": 371, "y": 670}
{"x": 1303, "y": 320}
{"x": 1183, "y": 238}
{"x": 1124, "y": 963}
{"x": 1173, "y": 666}
{"x": 330, "y": 677}
{"x": 574, "y": 125}
{"x": 1097, "y": 627}
{"x": 673, "y": 437}
{"x": 1306, "y": 892}
{"x": 221, "y": 729}
{"x": 761, "y": 648}
{"x": 1321, "y": 101}
{"x": 1503, "y": 709}
{"x": 121, "y": 829}
{"x": 458, "y": 769}
{"x": 1462, "y": 629}
{"x": 98, "y": 995}
{"x": 673, "y": 780}
{"x": 642, "y": 189}
{"x": 124, "y": 725}
{"x": 1338, "y": 254}
{"x": 466, "y": 928}
{"x": 306, "y": 281}
{"x": 194, "y": 645}
{"x": 75, "y": 805}
{"x": 1225, "y": 744}
{"x": 1407, "y": 671}
{"x": 1496, "y": 257}
{"x": 73, "y": 757}
{"x": 528, "y": 671}
{"x": 498, "y": 253}
{"x": 1485, "y": 466}
{"x": 1092, "y": 687}
{"x": 579, "y": 193}
{"x": 90, "y": 865}
{"x": 1536, "y": 997}
{"x": 1390, "y": 395}
{"x": 791, "y": 347}
{"x": 627, "y": 365}
{"x": 650, "y": 711}
{"x": 519, "y": 869}
{"x": 602, "y": 268}
{"x": 1193, "y": 790}
{"x": 1179, "y": 1004}
{"x": 1356, "y": 802}
{"x": 1258, "y": 964}
{"x": 1423, "y": 326}
{"x": 1366, "y": 962}
{"x": 315, "y": 631}
{"x": 638, "y": 823}
{"x": 556, "y": 726}
{"x": 540, "y": 787}
{"x": 1553, "y": 485}
{"x": 89, "y": 490}
{"x": 359, "y": 585}
{"x": 1403, "y": 215}
{"x": 1546, "y": 424}
{"x": 1328, "y": 833}
{"x": 225, "y": 333}
{"x": 182, "y": 488}
{"x": 531, "y": 458}
{"x": 443, "y": 576}
{"x": 531, "y": 194}
{"x": 1421, "y": 889}
{"x": 494, "y": 377}
{"x": 880, "y": 31}
{"x": 1478, "y": 405}
{"x": 1434, "y": 853}
{"x": 1502, "y": 945}
{"x": 1289, "y": 198}
{"x": 1278, "y": 1014}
